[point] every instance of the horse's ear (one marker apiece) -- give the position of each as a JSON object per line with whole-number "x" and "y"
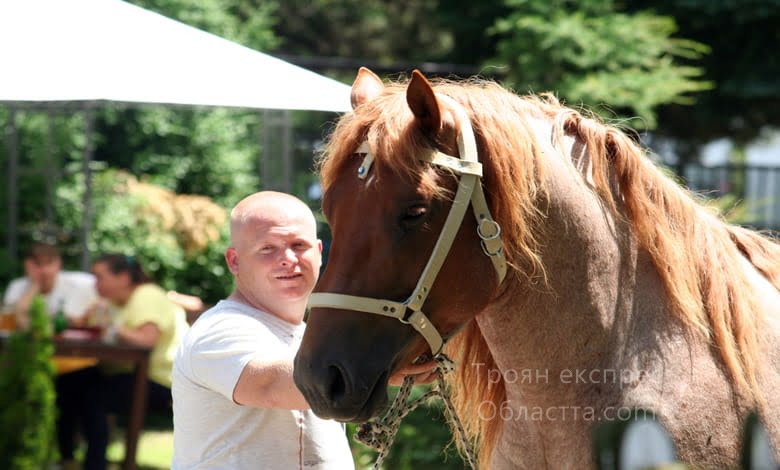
{"x": 366, "y": 87}
{"x": 423, "y": 103}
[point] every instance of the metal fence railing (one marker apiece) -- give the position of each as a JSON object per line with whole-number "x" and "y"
{"x": 756, "y": 188}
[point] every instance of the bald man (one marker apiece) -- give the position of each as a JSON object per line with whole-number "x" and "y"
{"x": 235, "y": 403}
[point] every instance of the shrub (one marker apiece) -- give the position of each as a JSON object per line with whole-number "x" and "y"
{"x": 27, "y": 395}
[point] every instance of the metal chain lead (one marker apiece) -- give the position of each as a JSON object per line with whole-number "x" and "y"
{"x": 379, "y": 434}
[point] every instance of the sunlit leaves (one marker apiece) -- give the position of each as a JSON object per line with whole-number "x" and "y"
{"x": 589, "y": 53}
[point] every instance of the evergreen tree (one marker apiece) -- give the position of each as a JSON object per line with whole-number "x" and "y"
{"x": 27, "y": 395}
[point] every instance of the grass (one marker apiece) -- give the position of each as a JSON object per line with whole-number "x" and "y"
{"x": 155, "y": 450}
{"x": 155, "y": 444}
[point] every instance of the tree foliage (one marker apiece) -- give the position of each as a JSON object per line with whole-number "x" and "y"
{"x": 208, "y": 152}
{"x": 27, "y": 396}
{"x": 743, "y": 66}
{"x": 247, "y": 22}
{"x": 178, "y": 239}
{"x": 589, "y": 53}
{"x": 371, "y": 29}
{"x": 695, "y": 70}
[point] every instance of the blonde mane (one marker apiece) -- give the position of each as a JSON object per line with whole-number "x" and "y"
{"x": 695, "y": 253}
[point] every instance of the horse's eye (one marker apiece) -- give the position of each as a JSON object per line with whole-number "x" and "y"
{"x": 414, "y": 213}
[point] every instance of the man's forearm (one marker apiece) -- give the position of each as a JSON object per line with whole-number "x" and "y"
{"x": 269, "y": 385}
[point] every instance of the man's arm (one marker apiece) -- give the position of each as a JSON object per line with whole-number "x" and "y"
{"x": 145, "y": 335}
{"x": 269, "y": 384}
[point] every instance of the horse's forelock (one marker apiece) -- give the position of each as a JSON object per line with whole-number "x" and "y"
{"x": 395, "y": 142}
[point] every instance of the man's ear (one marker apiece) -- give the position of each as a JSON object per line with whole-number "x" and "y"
{"x": 231, "y": 259}
{"x": 319, "y": 245}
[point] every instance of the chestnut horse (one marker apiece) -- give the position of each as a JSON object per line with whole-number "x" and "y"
{"x": 582, "y": 284}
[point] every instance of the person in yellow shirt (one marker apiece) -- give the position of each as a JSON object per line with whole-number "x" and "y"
{"x": 144, "y": 315}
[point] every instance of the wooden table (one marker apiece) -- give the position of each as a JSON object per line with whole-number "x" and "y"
{"x": 114, "y": 352}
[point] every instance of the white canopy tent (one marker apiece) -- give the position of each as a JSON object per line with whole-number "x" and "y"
{"x": 83, "y": 52}
{"x": 94, "y": 50}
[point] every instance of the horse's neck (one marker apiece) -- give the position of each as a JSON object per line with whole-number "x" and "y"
{"x": 581, "y": 318}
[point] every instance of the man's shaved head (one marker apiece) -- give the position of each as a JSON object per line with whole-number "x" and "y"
{"x": 274, "y": 253}
{"x": 267, "y": 208}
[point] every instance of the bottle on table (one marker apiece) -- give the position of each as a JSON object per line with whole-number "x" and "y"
{"x": 60, "y": 320}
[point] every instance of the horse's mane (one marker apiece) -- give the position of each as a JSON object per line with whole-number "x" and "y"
{"x": 696, "y": 254}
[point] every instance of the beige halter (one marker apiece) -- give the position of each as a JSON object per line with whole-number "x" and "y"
{"x": 469, "y": 190}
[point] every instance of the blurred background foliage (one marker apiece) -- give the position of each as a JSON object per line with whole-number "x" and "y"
{"x": 164, "y": 177}
{"x": 180, "y": 238}
{"x": 618, "y": 64}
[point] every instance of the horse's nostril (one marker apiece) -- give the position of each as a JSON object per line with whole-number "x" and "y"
{"x": 337, "y": 383}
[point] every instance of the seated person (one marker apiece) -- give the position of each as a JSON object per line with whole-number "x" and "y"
{"x": 144, "y": 316}
{"x": 140, "y": 313}
{"x": 70, "y": 291}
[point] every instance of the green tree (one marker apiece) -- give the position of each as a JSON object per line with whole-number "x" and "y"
{"x": 743, "y": 65}
{"x": 208, "y": 152}
{"x": 588, "y": 52}
{"x": 27, "y": 396}
{"x": 247, "y": 22}
{"x": 376, "y": 31}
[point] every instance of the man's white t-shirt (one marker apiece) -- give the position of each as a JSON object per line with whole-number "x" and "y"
{"x": 211, "y": 431}
{"x": 72, "y": 290}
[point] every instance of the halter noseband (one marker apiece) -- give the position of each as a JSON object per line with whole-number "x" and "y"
{"x": 469, "y": 190}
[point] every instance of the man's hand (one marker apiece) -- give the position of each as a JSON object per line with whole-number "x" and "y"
{"x": 423, "y": 373}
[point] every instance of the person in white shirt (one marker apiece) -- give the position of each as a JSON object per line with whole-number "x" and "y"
{"x": 71, "y": 291}
{"x": 235, "y": 404}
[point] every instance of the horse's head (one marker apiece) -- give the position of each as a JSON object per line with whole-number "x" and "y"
{"x": 393, "y": 286}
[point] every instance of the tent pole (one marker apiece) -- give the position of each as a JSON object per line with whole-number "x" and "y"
{"x": 49, "y": 172}
{"x": 263, "y": 163}
{"x": 287, "y": 163}
{"x": 12, "y": 145}
{"x": 86, "y": 168}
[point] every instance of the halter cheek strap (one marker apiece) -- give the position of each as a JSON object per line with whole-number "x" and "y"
{"x": 469, "y": 191}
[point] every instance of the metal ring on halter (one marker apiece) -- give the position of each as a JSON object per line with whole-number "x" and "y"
{"x": 491, "y": 244}
{"x": 494, "y": 227}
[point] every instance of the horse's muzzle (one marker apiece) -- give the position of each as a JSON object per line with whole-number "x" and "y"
{"x": 334, "y": 393}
